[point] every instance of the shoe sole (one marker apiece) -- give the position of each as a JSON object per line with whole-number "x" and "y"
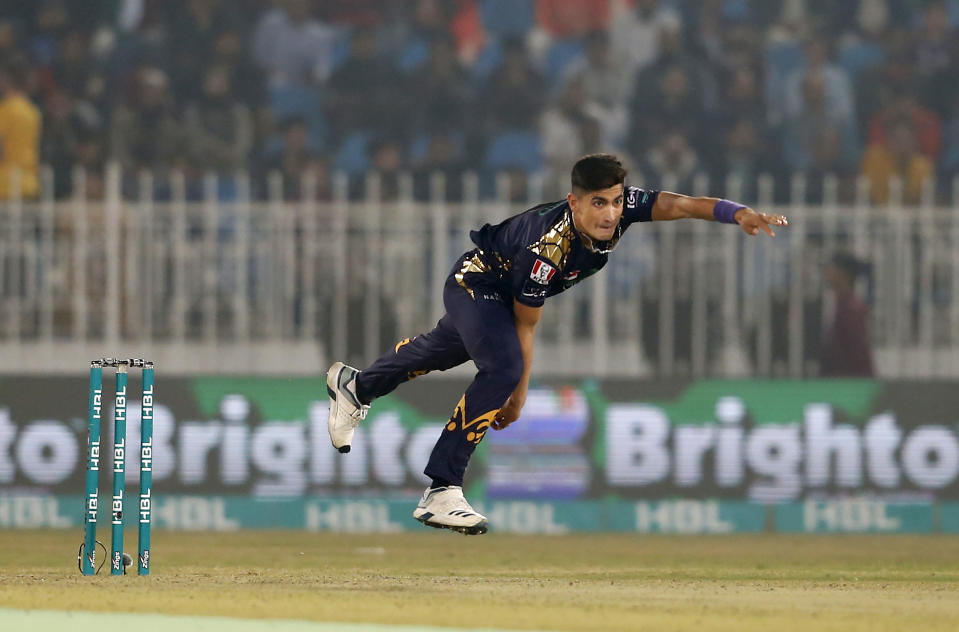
{"x": 343, "y": 449}
{"x": 476, "y": 529}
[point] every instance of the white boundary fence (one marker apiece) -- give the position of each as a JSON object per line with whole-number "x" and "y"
{"x": 283, "y": 287}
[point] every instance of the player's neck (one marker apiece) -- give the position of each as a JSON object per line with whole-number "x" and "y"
{"x": 579, "y": 229}
{"x": 584, "y": 237}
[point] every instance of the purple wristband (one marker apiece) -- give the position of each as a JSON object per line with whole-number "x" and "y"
{"x": 725, "y": 211}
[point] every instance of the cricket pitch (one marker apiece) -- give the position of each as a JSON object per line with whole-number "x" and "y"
{"x": 571, "y": 582}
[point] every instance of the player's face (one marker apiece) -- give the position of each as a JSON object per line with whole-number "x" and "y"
{"x": 597, "y": 213}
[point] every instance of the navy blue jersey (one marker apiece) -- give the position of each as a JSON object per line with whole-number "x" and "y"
{"x": 539, "y": 253}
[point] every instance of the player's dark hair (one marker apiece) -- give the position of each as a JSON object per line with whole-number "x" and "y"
{"x": 597, "y": 171}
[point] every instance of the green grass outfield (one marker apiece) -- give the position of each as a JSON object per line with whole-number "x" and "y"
{"x": 574, "y": 582}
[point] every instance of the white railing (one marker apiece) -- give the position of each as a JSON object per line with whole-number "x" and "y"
{"x": 282, "y": 287}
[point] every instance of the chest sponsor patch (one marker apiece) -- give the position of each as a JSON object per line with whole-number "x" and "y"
{"x": 542, "y": 272}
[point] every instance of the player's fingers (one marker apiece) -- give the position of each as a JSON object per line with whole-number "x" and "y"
{"x": 769, "y": 231}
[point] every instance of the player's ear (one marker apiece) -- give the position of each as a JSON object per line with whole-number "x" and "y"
{"x": 572, "y": 200}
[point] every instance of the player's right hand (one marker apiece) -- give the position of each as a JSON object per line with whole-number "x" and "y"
{"x": 752, "y": 222}
{"x": 508, "y": 413}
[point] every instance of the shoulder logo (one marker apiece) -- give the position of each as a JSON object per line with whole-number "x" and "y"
{"x": 542, "y": 272}
{"x": 550, "y": 208}
{"x": 631, "y": 198}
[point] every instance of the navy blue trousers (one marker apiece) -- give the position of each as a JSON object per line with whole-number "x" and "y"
{"x": 478, "y": 326}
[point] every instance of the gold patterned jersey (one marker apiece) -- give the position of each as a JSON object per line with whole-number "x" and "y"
{"x": 539, "y": 253}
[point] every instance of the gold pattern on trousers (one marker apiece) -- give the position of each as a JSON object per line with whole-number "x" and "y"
{"x": 479, "y": 425}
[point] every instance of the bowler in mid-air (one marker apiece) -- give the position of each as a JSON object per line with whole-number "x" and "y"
{"x": 494, "y": 297}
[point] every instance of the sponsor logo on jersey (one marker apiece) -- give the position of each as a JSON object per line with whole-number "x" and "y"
{"x": 534, "y": 291}
{"x": 569, "y": 276}
{"x": 631, "y": 198}
{"x": 542, "y": 272}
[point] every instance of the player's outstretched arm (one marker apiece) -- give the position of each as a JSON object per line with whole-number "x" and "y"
{"x": 671, "y": 206}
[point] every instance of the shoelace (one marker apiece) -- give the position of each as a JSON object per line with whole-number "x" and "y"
{"x": 358, "y": 415}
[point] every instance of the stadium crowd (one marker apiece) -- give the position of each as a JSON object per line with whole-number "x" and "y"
{"x": 679, "y": 87}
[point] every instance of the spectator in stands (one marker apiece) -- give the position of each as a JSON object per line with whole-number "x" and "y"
{"x": 671, "y": 162}
{"x": 51, "y": 22}
{"x": 146, "y": 134}
{"x": 514, "y": 93}
{"x": 672, "y": 98}
{"x": 606, "y": 83}
{"x": 359, "y": 13}
{"x": 725, "y": 35}
{"x": 878, "y": 86}
{"x": 292, "y": 157}
{"x": 440, "y": 91}
{"x": 837, "y": 90}
{"x": 783, "y": 56}
{"x": 94, "y": 52}
{"x": 19, "y": 134}
{"x": 936, "y": 55}
{"x": 387, "y": 161}
{"x": 635, "y": 35}
{"x": 899, "y": 156}
{"x": 90, "y": 159}
{"x": 218, "y": 129}
{"x": 246, "y": 80}
{"x": 198, "y": 24}
{"x": 905, "y": 105}
{"x": 365, "y": 94}
{"x": 674, "y": 50}
{"x": 846, "y": 351}
{"x": 566, "y": 129}
{"x": 444, "y": 155}
{"x": 9, "y": 44}
{"x": 863, "y": 47}
{"x": 428, "y": 23}
{"x": 292, "y": 46}
{"x": 60, "y": 139}
{"x": 818, "y": 139}
{"x": 949, "y": 167}
{"x": 740, "y": 105}
{"x": 73, "y": 62}
{"x": 572, "y": 18}
{"x": 745, "y": 156}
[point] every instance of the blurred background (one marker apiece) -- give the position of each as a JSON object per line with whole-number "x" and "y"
{"x": 245, "y": 191}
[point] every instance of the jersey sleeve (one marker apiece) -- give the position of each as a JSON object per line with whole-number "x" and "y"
{"x": 638, "y": 205}
{"x": 531, "y": 276}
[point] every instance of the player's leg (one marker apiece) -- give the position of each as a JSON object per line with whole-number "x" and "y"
{"x": 486, "y": 325}
{"x": 351, "y": 391}
{"x": 438, "y": 350}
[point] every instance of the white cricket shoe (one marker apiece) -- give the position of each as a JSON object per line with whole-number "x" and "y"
{"x": 446, "y": 508}
{"x": 346, "y": 411}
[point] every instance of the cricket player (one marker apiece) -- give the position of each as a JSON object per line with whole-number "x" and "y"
{"x": 494, "y": 297}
